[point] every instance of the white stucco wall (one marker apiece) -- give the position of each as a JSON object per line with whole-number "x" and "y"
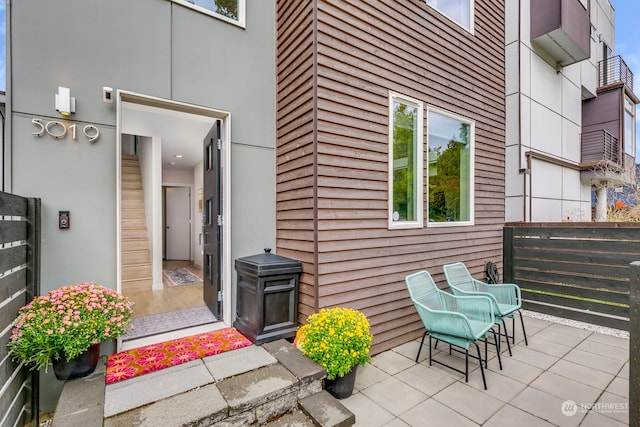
{"x": 544, "y": 116}
{"x": 154, "y": 48}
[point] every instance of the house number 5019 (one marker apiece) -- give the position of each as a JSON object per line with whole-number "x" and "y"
{"x": 59, "y": 130}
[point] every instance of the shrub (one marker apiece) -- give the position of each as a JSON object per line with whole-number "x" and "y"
{"x": 337, "y": 339}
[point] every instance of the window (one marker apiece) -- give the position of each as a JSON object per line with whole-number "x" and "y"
{"x": 450, "y": 168}
{"x": 460, "y": 11}
{"x": 629, "y": 138}
{"x": 405, "y": 162}
{"x": 229, "y": 10}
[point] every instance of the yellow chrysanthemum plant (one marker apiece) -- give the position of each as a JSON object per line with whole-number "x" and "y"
{"x": 337, "y": 339}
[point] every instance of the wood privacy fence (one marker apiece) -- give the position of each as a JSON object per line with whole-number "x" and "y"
{"x": 19, "y": 282}
{"x": 573, "y": 270}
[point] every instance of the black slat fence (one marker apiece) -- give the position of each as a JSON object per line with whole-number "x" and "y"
{"x": 19, "y": 283}
{"x": 573, "y": 270}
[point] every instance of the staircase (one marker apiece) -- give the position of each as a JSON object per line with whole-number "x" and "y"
{"x": 136, "y": 258}
{"x": 274, "y": 385}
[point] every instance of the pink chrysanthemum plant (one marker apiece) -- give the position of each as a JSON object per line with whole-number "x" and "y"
{"x": 337, "y": 339}
{"x": 66, "y": 322}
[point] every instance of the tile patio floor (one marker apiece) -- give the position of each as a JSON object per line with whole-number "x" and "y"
{"x": 562, "y": 363}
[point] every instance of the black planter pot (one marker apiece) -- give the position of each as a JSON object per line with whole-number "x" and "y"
{"x": 342, "y": 387}
{"x": 81, "y": 366}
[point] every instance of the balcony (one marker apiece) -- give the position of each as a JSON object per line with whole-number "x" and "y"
{"x": 601, "y": 148}
{"x": 613, "y": 71}
{"x": 561, "y": 28}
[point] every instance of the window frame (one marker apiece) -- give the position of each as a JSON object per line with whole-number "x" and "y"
{"x": 471, "y": 15}
{"x": 472, "y": 150}
{"x": 419, "y": 163}
{"x": 241, "y": 22}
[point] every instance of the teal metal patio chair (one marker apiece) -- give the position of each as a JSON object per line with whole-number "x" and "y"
{"x": 458, "y": 321}
{"x": 506, "y": 297}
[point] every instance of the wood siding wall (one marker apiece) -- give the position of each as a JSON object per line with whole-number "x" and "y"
{"x": 295, "y": 145}
{"x": 333, "y": 138}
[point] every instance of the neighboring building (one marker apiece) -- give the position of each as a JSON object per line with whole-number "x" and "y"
{"x": 624, "y": 195}
{"x": 364, "y": 138}
{"x": 570, "y": 110}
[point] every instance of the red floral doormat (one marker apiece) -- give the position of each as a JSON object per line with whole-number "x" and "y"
{"x": 139, "y": 361}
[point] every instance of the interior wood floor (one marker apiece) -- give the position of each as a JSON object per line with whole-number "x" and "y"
{"x": 168, "y": 299}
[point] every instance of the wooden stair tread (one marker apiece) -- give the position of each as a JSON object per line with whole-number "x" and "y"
{"x": 136, "y": 267}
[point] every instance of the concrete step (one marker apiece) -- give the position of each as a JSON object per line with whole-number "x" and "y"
{"x": 295, "y": 418}
{"x": 254, "y": 385}
{"x": 327, "y": 411}
{"x": 250, "y": 386}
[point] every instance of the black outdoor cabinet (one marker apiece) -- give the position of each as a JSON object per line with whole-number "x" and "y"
{"x": 267, "y": 297}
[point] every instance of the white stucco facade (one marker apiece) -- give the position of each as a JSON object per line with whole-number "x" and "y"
{"x": 544, "y": 119}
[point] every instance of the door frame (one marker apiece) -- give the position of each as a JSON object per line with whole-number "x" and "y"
{"x": 225, "y": 175}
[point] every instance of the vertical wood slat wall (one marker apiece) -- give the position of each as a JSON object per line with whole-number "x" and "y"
{"x": 337, "y": 61}
{"x": 19, "y": 283}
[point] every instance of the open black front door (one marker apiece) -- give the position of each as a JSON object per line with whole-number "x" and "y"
{"x": 212, "y": 221}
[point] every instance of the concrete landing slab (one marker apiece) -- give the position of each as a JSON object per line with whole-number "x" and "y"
{"x": 82, "y": 400}
{"x": 255, "y": 388}
{"x": 327, "y": 411}
{"x": 200, "y": 407}
{"x": 294, "y": 419}
{"x": 238, "y": 361}
{"x": 297, "y": 363}
{"x": 135, "y": 392}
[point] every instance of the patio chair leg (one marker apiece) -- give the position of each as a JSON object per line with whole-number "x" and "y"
{"x": 486, "y": 354}
{"x": 466, "y": 364}
{"x": 449, "y": 349}
{"x": 497, "y": 341}
{"x": 524, "y": 332}
{"x": 421, "y": 343}
{"x": 506, "y": 334}
{"x": 430, "y": 364}
{"x": 513, "y": 329}
{"x": 484, "y": 380}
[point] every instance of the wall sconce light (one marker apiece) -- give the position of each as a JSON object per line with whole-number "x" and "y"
{"x": 65, "y": 103}
{"x": 107, "y": 94}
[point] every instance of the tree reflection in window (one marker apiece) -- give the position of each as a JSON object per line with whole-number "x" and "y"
{"x": 227, "y": 8}
{"x": 404, "y": 167}
{"x": 449, "y": 171}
